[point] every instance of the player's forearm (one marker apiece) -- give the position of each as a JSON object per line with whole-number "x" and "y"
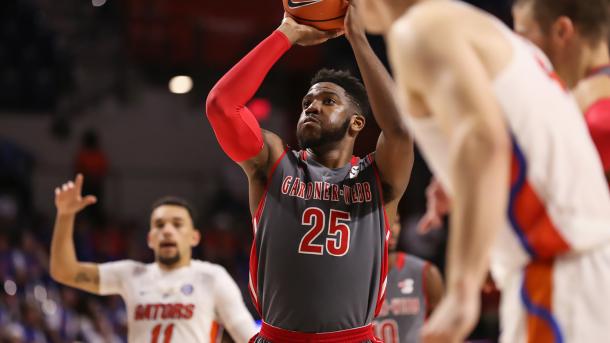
{"x": 63, "y": 262}
{"x": 235, "y": 127}
{"x": 480, "y": 167}
{"x": 240, "y": 83}
{"x": 242, "y": 329}
{"x": 380, "y": 90}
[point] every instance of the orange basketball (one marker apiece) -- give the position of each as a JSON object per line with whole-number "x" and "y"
{"x": 321, "y": 14}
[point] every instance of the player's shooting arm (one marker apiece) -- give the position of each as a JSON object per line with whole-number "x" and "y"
{"x": 394, "y": 152}
{"x": 439, "y": 65}
{"x": 64, "y": 266}
{"x": 236, "y": 128}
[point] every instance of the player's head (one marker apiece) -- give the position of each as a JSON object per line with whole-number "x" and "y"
{"x": 172, "y": 232}
{"x": 334, "y": 108}
{"x": 563, "y": 28}
{"x": 379, "y": 15}
{"x": 395, "y": 229}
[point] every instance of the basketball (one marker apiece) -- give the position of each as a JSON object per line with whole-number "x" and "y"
{"x": 321, "y": 14}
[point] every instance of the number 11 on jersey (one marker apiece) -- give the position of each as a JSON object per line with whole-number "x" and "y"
{"x": 167, "y": 333}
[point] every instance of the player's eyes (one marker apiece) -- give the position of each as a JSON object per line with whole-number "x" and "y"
{"x": 329, "y": 101}
{"x": 306, "y": 103}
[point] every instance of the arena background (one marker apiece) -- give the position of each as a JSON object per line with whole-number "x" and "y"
{"x": 85, "y": 86}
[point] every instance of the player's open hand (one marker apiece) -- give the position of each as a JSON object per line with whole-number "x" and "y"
{"x": 453, "y": 319}
{"x": 354, "y": 28}
{"x": 68, "y": 198}
{"x": 438, "y": 205}
{"x": 305, "y": 35}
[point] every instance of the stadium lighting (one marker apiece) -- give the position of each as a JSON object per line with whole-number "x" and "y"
{"x": 10, "y": 287}
{"x": 180, "y": 84}
{"x": 98, "y": 3}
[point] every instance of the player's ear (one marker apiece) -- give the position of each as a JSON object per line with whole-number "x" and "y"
{"x": 195, "y": 237}
{"x": 358, "y": 122}
{"x": 562, "y": 30}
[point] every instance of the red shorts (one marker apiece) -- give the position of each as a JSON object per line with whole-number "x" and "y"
{"x": 276, "y": 335}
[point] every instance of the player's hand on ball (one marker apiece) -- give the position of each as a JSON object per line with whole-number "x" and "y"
{"x": 453, "y": 319}
{"x": 305, "y": 35}
{"x": 354, "y": 28}
{"x": 68, "y": 199}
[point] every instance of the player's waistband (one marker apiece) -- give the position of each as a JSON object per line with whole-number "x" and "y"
{"x": 357, "y": 335}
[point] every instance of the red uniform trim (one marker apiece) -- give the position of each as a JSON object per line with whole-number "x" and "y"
{"x": 384, "y": 258}
{"x": 400, "y": 260}
{"x": 277, "y": 335}
{"x": 537, "y": 295}
{"x": 597, "y": 69}
{"x": 253, "y": 281}
{"x": 528, "y": 216}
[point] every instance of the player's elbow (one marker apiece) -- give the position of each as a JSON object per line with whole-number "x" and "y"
{"x": 58, "y": 273}
{"x": 213, "y": 104}
{"x": 219, "y": 104}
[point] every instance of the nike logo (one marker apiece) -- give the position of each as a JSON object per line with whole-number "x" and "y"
{"x": 297, "y": 4}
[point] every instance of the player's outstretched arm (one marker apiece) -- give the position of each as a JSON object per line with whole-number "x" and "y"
{"x": 236, "y": 128}
{"x": 65, "y": 267}
{"x": 231, "y": 309}
{"x": 437, "y": 64}
{"x": 394, "y": 153}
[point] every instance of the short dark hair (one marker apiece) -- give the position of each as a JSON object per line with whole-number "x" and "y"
{"x": 175, "y": 201}
{"x": 591, "y": 17}
{"x": 352, "y": 85}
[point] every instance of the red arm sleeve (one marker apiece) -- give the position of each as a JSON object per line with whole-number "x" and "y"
{"x": 598, "y": 121}
{"x": 235, "y": 126}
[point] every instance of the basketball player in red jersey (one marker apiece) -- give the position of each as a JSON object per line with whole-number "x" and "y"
{"x": 319, "y": 257}
{"x": 574, "y": 35}
{"x": 174, "y": 299}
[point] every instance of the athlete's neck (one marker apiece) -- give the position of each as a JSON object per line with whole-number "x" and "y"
{"x": 335, "y": 156}
{"x": 588, "y": 58}
{"x": 168, "y": 268}
{"x": 600, "y": 56}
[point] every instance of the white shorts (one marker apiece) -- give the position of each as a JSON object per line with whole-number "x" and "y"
{"x": 565, "y": 301}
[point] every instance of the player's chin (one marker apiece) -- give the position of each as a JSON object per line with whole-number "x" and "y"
{"x": 308, "y": 139}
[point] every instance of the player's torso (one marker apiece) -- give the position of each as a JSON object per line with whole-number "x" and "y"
{"x": 320, "y": 242}
{"x": 404, "y": 309}
{"x": 170, "y": 307}
{"x": 555, "y": 166}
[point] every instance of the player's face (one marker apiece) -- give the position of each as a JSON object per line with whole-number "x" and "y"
{"x": 395, "y": 229}
{"x": 529, "y": 28}
{"x": 172, "y": 234}
{"x": 326, "y": 116}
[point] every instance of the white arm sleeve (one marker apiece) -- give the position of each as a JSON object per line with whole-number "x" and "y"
{"x": 231, "y": 309}
{"x": 113, "y": 275}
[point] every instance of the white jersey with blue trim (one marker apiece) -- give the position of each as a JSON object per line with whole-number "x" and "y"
{"x": 559, "y": 197}
{"x": 181, "y": 305}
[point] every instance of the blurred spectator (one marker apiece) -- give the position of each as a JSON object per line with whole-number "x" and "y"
{"x": 91, "y": 161}
{"x": 16, "y": 166}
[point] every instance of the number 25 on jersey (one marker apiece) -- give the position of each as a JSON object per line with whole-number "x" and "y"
{"x": 338, "y": 232}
